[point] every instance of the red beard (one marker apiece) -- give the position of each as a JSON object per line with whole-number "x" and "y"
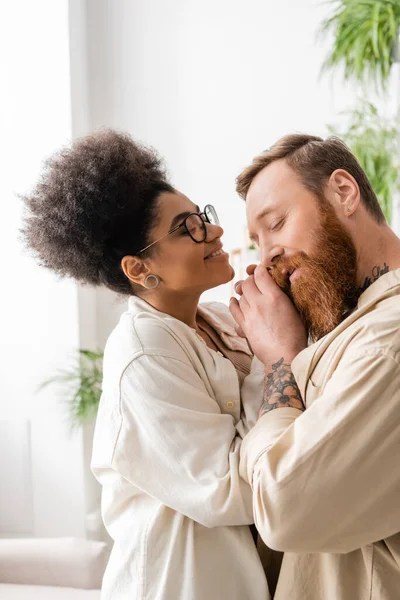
{"x": 326, "y": 287}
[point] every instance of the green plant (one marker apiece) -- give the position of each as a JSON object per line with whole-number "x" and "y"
{"x": 366, "y": 36}
{"x": 374, "y": 141}
{"x": 82, "y": 386}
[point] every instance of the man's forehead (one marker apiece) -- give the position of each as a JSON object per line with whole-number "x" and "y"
{"x": 270, "y": 187}
{"x": 271, "y": 179}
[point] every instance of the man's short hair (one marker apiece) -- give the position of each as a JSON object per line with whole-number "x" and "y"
{"x": 314, "y": 160}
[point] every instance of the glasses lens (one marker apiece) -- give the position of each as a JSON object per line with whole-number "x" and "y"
{"x": 196, "y": 228}
{"x": 211, "y": 214}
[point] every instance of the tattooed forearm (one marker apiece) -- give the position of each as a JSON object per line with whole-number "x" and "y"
{"x": 377, "y": 272}
{"x": 280, "y": 389}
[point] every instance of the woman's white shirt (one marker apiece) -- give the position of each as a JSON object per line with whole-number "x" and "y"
{"x": 166, "y": 452}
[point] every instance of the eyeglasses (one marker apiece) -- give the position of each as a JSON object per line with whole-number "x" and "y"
{"x": 195, "y": 225}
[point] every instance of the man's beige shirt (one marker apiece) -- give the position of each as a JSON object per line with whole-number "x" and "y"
{"x": 326, "y": 482}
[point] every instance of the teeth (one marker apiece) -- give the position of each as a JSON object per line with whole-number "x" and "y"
{"x": 216, "y": 253}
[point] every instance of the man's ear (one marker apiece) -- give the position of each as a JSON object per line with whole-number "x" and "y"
{"x": 135, "y": 269}
{"x": 343, "y": 192}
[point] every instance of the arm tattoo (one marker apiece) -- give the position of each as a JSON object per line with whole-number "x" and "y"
{"x": 280, "y": 389}
{"x": 377, "y": 272}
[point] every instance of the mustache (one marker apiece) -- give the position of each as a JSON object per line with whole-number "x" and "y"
{"x": 284, "y": 266}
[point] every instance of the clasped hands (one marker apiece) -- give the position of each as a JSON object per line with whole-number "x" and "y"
{"x": 267, "y": 318}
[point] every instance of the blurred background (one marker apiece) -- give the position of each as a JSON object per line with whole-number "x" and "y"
{"x": 209, "y": 84}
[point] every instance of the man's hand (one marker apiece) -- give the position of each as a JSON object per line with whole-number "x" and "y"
{"x": 268, "y": 319}
{"x": 276, "y": 334}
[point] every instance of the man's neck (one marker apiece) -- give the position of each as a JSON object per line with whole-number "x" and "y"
{"x": 378, "y": 258}
{"x": 376, "y": 273}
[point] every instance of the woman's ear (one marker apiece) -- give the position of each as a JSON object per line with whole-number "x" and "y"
{"x": 135, "y": 269}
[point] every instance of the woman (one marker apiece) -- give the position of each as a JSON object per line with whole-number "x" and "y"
{"x": 170, "y": 421}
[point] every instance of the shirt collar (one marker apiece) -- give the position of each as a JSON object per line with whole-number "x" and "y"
{"x": 303, "y": 364}
{"x": 219, "y": 321}
{"x": 213, "y": 319}
{"x": 211, "y": 315}
{"x": 380, "y": 287}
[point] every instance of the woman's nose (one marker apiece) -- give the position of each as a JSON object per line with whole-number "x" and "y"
{"x": 213, "y": 231}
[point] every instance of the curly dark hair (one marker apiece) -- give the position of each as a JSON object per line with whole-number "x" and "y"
{"x": 94, "y": 204}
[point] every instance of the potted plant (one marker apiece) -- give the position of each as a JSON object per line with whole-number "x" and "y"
{"x": 366, "y": 39}
{"x": 81, "y": 384}
{"x": 366, "y": 44}
{"x": 374, "y": 141}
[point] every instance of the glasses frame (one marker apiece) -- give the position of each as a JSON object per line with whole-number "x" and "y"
{"x": 183, "y": 224}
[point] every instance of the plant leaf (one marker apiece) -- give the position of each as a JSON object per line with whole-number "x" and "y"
{"x": 81, "y": 385}
{"x": 374, "y": 141}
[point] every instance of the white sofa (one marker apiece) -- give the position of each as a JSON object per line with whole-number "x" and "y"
{"x": 41, "y": 592}
{"x": 51, "y": 568}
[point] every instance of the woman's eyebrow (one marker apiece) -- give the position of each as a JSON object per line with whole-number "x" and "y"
{"x": 182, "y": 215}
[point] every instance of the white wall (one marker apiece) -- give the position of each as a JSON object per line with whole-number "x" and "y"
{"x": 210, "y": 84}
{"x": 39, "y": 315}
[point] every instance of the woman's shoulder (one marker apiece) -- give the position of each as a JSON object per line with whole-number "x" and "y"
{"x": 143, "y": 330}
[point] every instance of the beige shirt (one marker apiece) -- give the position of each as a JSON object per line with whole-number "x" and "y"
{"x": 166, "y": 452}
{"x": 326, "y": 482}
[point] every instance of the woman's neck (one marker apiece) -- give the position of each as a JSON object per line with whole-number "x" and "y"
{"x": 182, "y": 307}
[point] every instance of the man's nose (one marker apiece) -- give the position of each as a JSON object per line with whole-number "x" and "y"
{"x": 269, "y": 256}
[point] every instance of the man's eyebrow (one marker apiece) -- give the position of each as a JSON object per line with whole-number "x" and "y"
{"x": 182, "y": 216}
{"x": 265, "y": 212}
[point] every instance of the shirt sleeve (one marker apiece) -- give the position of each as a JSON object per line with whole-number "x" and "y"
{"x": 251, "y": 394}
{"x": 176, "y": 445}
{"x": 327, "y": 480}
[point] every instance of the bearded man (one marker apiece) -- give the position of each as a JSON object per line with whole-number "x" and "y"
{"x": 323, "y": 459}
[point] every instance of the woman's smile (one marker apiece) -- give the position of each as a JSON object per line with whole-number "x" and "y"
{"x": 218, "y": 252}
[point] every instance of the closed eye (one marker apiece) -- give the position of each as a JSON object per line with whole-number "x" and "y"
{"x": 277, "y": 224}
